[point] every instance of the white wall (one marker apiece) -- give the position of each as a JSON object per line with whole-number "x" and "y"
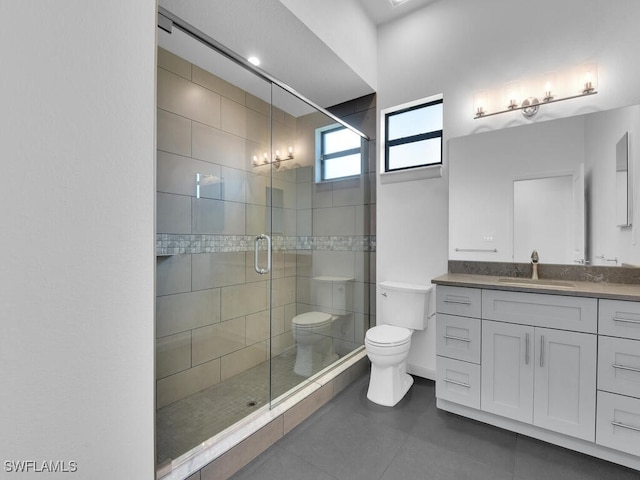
{"x": 345, "y": 27}
{"x": 457, "y": 47}
{"x": 77, "y": 208}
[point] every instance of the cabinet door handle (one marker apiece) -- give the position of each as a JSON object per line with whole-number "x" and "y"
{"x": 526, "y": 349}
{"x": 624, "y": 367}
{"x": 455, "y": 382}
{"x": 542, "y": 351}
{"x": 625, "y": 320}
{"x": 461, "y": 302}
{"x": 628, "y": 427}
{"x": 451, "y": 337}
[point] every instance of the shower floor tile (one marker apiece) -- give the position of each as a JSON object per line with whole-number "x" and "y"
{"x": 190, "y": 421}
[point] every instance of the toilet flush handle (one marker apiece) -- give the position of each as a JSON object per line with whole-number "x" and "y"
{"x": 384, "y": 294}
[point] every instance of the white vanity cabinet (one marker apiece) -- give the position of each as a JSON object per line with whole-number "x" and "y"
{"x": 618, "y": 424}
{"x": 458, "y": 345}
{"x": 565, "y": 382}
{"x": 507, "y": 370}
{"x": 538, "y": 375}
{"x": 559, "y": 367}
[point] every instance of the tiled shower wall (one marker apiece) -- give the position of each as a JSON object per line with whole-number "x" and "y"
{"x": 342, "y": 223}
{"x": 212, "y": 320}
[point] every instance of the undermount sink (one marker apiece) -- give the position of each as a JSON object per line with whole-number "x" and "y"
{"x": 537, "y": 283}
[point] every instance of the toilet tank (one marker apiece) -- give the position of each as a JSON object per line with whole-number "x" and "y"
{"x": 405, "y": 304}
{"x": 333, "y": 292}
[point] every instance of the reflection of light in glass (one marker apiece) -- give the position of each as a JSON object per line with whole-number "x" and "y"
{"x": 204, "y": 181}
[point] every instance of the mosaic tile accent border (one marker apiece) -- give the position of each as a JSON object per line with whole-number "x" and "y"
{"x": 177, "y": 244}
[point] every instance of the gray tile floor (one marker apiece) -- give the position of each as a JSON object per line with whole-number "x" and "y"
{"x": 351, "y": 438}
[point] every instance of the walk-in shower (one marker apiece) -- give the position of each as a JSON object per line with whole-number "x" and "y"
{"x": 263, "y": 264}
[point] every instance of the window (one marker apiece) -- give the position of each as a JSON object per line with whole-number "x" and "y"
{"x": 413, "y": 135}
{"x": 338, "y": 153}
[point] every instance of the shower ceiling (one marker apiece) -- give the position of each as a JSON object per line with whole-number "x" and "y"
{"x": 288, "y": 49}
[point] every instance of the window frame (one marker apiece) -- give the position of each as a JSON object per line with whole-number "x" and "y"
{"x": 321, "y": 157}
{"x": 399, "y": 110}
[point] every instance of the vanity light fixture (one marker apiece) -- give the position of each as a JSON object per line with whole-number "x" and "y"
{"x": 276, "y": 158}
{"x": 513, "y": 100}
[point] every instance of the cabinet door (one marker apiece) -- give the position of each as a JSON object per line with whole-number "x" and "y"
{"x": 565, "y": 382}
{"x": 461, "y": 301}
{"x": 619, "y": 365}
{"x": 507, "y": 370}
{"x": 618, "y": 422}
{"x": 458, "y": 337}
{"x": 458, "y": 382}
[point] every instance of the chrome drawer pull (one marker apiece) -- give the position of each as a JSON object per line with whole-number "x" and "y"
{"x": 623, "y": 367}
{"x": 628, "y": 427}
{"x": 542, "y": 351}
{"x": 451, "y": 337}
{"x": 625, "y": 320}
{"x": 526, "y": 349}
{"x": 461, "y": 302}
{"x": 455, "y": 382}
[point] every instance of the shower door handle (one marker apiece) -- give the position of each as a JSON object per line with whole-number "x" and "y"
{"x": 262, "y": 271}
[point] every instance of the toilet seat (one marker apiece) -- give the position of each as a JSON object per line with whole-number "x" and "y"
{"x": 312, "y": 319}
{"x": 388, "y": 336}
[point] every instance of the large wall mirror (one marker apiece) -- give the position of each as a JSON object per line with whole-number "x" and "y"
{"x": 550, "y": 186}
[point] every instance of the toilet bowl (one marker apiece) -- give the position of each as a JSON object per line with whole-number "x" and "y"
{"x": 314, "y": 344}
{"x": 403, "y": 309}
{"x": 387, "y": 347}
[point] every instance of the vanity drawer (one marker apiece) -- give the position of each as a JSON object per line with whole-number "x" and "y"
{"x": 618, "y": 422}
{"x": 462, "y": 301}
{"x": 579, "y": 314}
{"x": 619, "y": 365}
{"x": 458, "y": 382}
{"x": 458, "y": 337}
{"x": 619, "y": 318}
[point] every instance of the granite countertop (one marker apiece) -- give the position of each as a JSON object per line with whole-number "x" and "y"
{"x": 615, "y": 291}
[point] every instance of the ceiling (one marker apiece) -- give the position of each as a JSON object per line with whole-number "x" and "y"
{"x": 381, "y": 11}
{"x": 290, "y": 51}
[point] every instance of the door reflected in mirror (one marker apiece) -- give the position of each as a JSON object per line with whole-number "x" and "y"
{"x": 544, "y": 219}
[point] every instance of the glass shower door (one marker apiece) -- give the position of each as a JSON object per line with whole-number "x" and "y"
{"x": 262, "y": 271}
{"x": 320, "y": 289}
{"x": 213, "y": 306}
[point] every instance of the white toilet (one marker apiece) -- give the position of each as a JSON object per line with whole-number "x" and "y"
{"x": 312, "y": 330}
{"x": 403, "y": 308}
{"x": 314, "y": 344}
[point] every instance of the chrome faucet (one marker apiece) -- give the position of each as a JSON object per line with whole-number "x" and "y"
{"x": 534, "y": 265}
